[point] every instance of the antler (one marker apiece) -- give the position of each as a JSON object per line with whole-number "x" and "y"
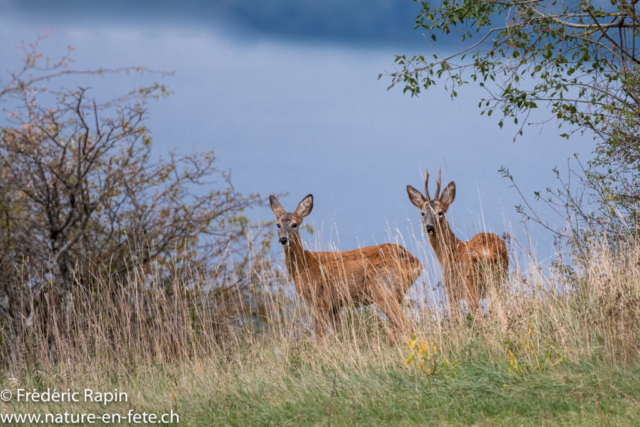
{"x": 426, "y": 184}
{"x": 438, "y": 182}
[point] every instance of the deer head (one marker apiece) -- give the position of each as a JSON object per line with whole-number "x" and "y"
{"x": 434, "y": 219}
{"x": 289, "y": 222}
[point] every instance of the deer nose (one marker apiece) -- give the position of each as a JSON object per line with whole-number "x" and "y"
{"x": 284, "y": 240}
{"x": 429, "y": 229}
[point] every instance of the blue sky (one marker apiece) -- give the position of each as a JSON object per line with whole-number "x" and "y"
{"x": 286, "y": 93}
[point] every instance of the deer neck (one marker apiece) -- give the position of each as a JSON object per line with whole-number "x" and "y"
{"x": 295, "y": 257}
{"x": 445, "y": 244}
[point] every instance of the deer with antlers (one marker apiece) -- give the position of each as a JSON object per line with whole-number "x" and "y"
{"x": 379, "y": 274}
{"x": 465, "y": 265}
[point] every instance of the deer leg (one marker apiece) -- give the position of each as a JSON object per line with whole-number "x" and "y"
{"x": 454, "y": 305}
{"x": 387, "y": 303}
{"x": 471, "y": 282}
{"x": 321, "y": 318}
{"x": 493, "y": 284}
{"x": 502, "y": 269}
{"x": 452, "y": 297}
{"x": 502, "y": 272}
{"x": 335, "y": 319}
{"x": 474, "y": 300}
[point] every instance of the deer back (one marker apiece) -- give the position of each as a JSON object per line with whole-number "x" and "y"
{"x": 350, "y": 277}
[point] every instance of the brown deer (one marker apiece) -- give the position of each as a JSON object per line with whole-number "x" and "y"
{"x": 465, "y": 265}
{"x": 327, "y": 281}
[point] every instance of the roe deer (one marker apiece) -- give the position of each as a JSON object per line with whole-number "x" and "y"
{"x": 327, "y": 281}
{"x": 463, "y": 263}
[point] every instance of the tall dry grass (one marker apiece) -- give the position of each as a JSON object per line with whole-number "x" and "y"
{"x": 218, "y": 357}
{"x": 590, "y": 310}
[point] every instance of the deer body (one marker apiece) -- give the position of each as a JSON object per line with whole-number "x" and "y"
{"x": 327, "y": 281}
{"x": 465, "y": 265}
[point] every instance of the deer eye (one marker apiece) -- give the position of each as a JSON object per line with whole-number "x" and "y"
{"x": 278, "y": 225}
{"x": 294, "y": 225}
{"x": 422, "y": 213}
{"x": 440, "y": 213}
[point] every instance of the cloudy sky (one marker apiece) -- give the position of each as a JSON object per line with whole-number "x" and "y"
{"x": 286, "y": 93}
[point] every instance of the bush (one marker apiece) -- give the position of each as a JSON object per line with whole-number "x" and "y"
{"x": 84, "y": 203}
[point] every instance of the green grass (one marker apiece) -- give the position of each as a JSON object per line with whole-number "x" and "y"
{"x": 481, "y": 394}
{"x": 307, "y": 384}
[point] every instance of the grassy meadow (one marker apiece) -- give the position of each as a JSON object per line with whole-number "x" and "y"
{"x": 555, "y": 347}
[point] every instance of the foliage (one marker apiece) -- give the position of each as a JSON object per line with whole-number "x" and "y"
{"x": 430, "y": 365}
{"x": 537, "y": 355}
{"x": 83, "y": 198}
{"x": 578, "y": 60}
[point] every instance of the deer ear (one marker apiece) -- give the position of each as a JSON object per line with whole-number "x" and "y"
{"x": 449, "y": 194}
{"x": 276, "y": 207}
{"x": 416, "y": 197}
{"x": 305, "y": 206}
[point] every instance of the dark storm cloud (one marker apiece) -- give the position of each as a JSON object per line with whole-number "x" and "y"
{"x": 351, "y": 21}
